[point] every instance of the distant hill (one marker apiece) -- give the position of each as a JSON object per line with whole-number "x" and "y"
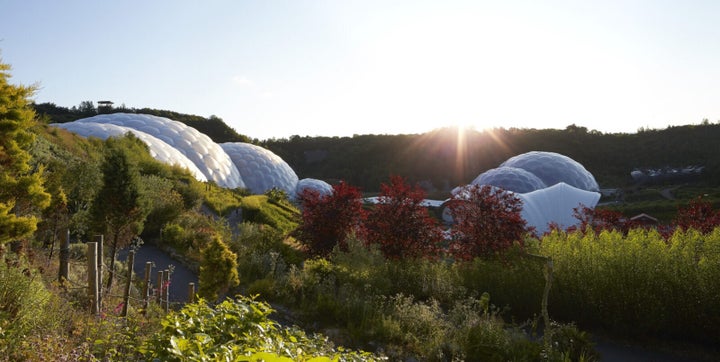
{"x": 214, "y": 127}
{"x": 445, "y": 158}
{"x": 448, "y": 157}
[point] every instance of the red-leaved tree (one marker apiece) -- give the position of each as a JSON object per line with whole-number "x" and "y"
{"x": 400, "y": 224}
{"x": 328, "y": 219}
{"x": 699, "y": 215}
{"x": 602, "y": 219}
{"x": 487, "y": 222}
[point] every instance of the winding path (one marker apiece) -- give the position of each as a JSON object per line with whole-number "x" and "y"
{"x": 180, "y": 277}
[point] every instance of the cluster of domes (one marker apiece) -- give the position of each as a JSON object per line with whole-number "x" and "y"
{"x": 550, "y": 186}
{"x": 537, "y": 170}
{"x": 231, "y": 165}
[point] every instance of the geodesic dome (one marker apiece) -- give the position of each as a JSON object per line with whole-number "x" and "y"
{"x": 322, "y": 187}
{"x": 207, "y": 155}
{"x": 552, "y": 168}
{"x": 510, "y": 178}
{"x": 555, "y": 204}
{"x": 260, "y": 168}
{"x": 158, "y": 149}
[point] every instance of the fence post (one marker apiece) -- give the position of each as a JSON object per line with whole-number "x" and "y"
{"x": 191, "y": 292}
{"x": 146, "y": 288}
{"x": 92, "y": 278}
{"x": 548, "y": 274}
{"x": 159, "y": 286}
{"x": 128, "y": 283}
{"x": 64, "y": 271}
{"x": 100, "y": 258}
{"x": 166, "y": 285}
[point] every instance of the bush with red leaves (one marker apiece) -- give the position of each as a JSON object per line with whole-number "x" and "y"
{"x": 487, "y": 222}
{"x": 400, "y": 224}
{"x": 328, "y": 219}
{"x": 699, "y": 215}
{"x": 601, "y": 219}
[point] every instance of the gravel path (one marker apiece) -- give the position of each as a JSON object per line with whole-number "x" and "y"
{"x": 179, "y": 279}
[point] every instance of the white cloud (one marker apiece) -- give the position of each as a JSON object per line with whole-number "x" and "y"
{"x": 242, "y": 81}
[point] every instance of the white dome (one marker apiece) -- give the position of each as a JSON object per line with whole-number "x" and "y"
{"x": 322, "y": 187}
{"x": 555, "y": 204}
{"x": 510, "y": 179}
{"x": 552, "y": 168}
{"x": 208, "y": 156}
{"x": 261, "y": 169}
{"x": 159, "y": 150}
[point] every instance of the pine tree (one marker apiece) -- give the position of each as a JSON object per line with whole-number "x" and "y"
{"x": 21, "y": 189}
{"x": 118, "y": 211}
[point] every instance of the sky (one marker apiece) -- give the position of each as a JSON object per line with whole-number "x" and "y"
{"x": 273, "y": 69}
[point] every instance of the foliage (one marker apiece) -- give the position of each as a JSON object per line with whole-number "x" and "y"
{"x": 487, "y": 221}
{"x": 699, "y": 215}
{"x": 274, "y": 212}
{"x": 237, "y": 330}
{"x": 327, "y": 220}
{"x": 191, "y": 231}
{"x": 118, "y": 210}
{"x": 164, "y": 202}
{"x": 400, "y": 223}
{"x": 599, "y": 219}
{"x": 27, "y": 308}
{"x": 639, "y": 283}
{"x": 265, "y": 252}
{"x": 221, "y": 200}
{"x": 218, "y": 270}
{"x": 21, "y": 189}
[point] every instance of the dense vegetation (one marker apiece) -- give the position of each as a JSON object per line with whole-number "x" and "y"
{"x": 332, "y": 268}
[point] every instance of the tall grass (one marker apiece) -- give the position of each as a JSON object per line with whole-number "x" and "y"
{"x": 639, "y": 284}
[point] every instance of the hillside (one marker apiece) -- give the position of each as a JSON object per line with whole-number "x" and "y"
{"x": 445, "y": 158}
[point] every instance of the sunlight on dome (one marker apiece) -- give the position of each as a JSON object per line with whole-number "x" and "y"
{"x": 552, "y": 168}
{"x": 322, "y": 187}
{"x": 208, "y": 156}
{"x": 158, "y": 149}
{"x": 261, "y": 169}
{"x": 511, "y": 179}
{"x": 549, "y": 184}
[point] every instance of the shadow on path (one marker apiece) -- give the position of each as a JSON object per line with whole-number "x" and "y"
{"x": 179, "y": 279}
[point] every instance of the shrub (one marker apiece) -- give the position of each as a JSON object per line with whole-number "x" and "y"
{"x": 400, "y": 224}
{"x": 237, "y": 330}
{"x": 218, "y": 270}
{"x": 638, "y": 284}
{"x": 487, "y": 222}
{"x": 27, "y": 308}
{"x": 327, "y": 220}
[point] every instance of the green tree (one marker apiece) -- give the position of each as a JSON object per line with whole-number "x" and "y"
{"x": 118, "y": 210}
{"x": 21, "y": 189}
{"x": 218, "y": 270}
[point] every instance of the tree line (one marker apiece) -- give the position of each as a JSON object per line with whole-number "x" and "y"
{"x": 447, "y": 157}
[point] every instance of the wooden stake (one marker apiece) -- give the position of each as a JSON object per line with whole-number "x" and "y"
{"x": 100, "y": 257}
{"x": 146, "y": 288}
{"x": 166, "y": 283}
{"x": 191, "y": 292}
{"x": 64, "y": 271}
{"x": 159, "y": 286}
{"x": 92, "y": 278}
{"x": 128, "y": 283}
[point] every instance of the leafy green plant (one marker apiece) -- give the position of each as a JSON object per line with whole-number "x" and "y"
{"x": 238, "y": 329}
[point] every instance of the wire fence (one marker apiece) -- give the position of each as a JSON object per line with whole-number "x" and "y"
{"x": 97, "y": 270}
